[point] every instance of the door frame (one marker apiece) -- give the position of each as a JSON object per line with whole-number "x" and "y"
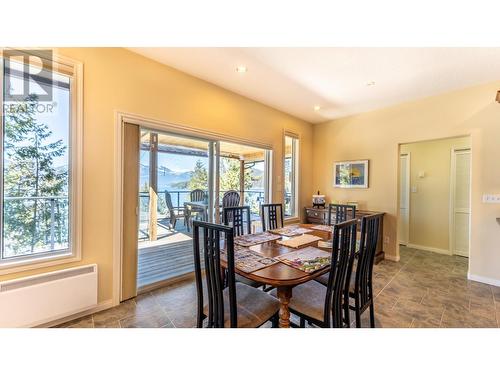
{"x": 453, "y": 169}
{"x": 162, "y": 126}
{"x": 408, "y": 192}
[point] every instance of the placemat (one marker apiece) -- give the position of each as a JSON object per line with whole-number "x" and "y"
{"x": 255, "y": 238}
{"x": 299, "y": 241}
{"x": 309, "y": 259}
{"x": 290, "y": 231}
{"x": 324, "y": 228}
{"x": 248, "y": 260}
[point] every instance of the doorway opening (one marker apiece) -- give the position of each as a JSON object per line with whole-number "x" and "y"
{"x": 434, "y": 195}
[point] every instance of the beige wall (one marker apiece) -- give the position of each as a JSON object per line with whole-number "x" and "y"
{"x": 376, "y": 136}
{"x": 430, "y": 204}
{"x": 118, "y": 80}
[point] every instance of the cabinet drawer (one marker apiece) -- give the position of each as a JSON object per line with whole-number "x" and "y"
{"x": 315, "y": 216}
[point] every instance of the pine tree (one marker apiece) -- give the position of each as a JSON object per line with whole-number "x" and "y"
{"x": 29, "y": 172}
{"x": 230, "y": 175}
{"x": 199, "y": 177}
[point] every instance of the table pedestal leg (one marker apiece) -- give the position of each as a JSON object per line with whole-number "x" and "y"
{"x": 284, "y": 295}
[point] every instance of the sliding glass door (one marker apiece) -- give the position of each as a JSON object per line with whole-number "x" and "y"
{"x": 175, "y": 188}
{"x": 243, "y": 178}
{"x": 182, "y": 179}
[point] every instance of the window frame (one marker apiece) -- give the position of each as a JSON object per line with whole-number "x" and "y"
{"x": 75, "y": 146}
{"x": 295, "y": 215}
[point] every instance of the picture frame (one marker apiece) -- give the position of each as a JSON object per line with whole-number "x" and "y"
{"x": 352, "y": 174}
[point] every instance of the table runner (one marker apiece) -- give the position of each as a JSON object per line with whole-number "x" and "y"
{"x": 248, "y": 260}
{"x": 309, "y": 259}
{"x": 290, "y": 231}
{"x": 255, "y": 238}
{"x": 324, "y": 228}
{"x": 299, "y": 241}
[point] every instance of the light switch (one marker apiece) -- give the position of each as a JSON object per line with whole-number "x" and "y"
{"x": 491, "y": 198}
{"x": 413, "y": 189}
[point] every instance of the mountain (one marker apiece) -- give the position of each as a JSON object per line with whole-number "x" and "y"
{"x": 167, "y": 178}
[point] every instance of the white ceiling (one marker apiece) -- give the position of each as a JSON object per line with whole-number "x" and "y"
{"x": 294, "y": 80}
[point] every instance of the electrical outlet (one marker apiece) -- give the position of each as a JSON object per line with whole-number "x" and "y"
{"x": 491, "y": 198}
{"x": 386, "y": 239}
{"x": 414, "y": 189}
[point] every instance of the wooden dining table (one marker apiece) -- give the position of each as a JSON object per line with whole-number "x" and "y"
{"x": 283, "y": 276}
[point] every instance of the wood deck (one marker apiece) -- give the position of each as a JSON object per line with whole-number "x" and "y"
{"x": 166, "y": 258}
{"x": 169, "y": 257}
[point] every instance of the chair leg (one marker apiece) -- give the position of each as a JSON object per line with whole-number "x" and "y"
{"x": 372, "y": 314}
{"x": 347, "y": 314}
{"x": 275, "y": 321}
{"x": 302, "y": 323}
{"x": 358, "y": 313}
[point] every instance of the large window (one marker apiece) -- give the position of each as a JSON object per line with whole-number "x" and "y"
{"x": 38, "y": 151}
{"x": 291, "y": 175}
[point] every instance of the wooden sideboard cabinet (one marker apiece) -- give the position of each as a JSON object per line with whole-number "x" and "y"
{"x": 320, "y": 216}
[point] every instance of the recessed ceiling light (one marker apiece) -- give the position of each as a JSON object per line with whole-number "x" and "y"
{"x": 371, "y": 83}
{"x": 317, "y": 107}
{"x": 241, "y": 69}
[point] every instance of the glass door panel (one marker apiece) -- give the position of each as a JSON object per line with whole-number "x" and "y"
{"x": 242, "y": 169}
{"x": 174, "y": 189}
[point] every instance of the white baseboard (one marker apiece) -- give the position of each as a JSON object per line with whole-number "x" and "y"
{"x": 104, "y": 305}
{"x": 428, "y": 248}
{"x": 392, "y": 258}
{"x": 484, "y": 280}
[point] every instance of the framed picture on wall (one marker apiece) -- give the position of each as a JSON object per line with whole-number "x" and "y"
{"x": 351, "y": 174}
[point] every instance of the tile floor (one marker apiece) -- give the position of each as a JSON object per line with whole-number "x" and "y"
{"x": 424, "y": 289}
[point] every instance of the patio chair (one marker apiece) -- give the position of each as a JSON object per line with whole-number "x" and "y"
{"x": 171, "y": 212}
{"x": 231, "y": 198}
{"x": 196, "y": 195}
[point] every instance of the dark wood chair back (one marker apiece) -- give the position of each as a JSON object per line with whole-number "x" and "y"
{"x": 341, "y": 213}
{"x": 197, "y": 195}
{"x": 230, "y": 198}
{"x": 336, "y": 310}
{"x": 367, "y": 246}
{"x": 170, "y": 207}
{"x": 238, "y": 218}
{"x": 271, "y": 215}
{"x": 207, "y": 241}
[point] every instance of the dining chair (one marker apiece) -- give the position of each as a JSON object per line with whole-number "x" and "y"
{"x": 362, "y": 291}
{"x": 361, "y": 285}
{"x": 341, "y": 212}
{"x": 236, "y": 305}
{"x": 272, "y": 216}
{"x": 239, "y": 219}
{"x": 327, "y": 306}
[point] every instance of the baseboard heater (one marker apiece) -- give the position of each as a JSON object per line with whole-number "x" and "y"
{"x": 35, "y": 300}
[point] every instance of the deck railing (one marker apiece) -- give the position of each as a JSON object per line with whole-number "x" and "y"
{"x": 253, "y": 198}
{"x": 50, "y": 228}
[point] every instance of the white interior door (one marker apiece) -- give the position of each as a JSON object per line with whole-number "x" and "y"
{"x": 404, "y": 199}
{"x": 460, "y": 202}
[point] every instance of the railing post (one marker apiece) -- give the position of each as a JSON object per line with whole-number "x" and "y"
{"x": 52, "y": 219}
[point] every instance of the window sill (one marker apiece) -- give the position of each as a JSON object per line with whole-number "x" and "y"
{"x": 30, "y": 264}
